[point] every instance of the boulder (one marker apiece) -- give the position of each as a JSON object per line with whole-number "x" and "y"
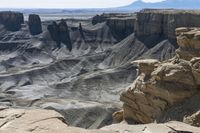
{"x": 34, "y": 23}
{"x": 11, "y": 20}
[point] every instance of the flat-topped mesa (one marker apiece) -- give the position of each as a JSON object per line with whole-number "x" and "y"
{"x": 162, "y": 85}
{"x": 188, "y": 40}
{"x": 11, "y": 20}
{"x": 156, "y": 23}
{"x": 34, "y": 23}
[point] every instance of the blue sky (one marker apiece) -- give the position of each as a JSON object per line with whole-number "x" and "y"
{"x": 66, "y": 3}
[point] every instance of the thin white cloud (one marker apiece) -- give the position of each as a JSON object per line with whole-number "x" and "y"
{"x": 63, "y": 3}
{"x": 66, "y": 3}
{"x": 152, "y": 1}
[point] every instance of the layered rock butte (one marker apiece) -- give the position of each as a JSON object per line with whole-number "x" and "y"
{"x": 80, "y": 67}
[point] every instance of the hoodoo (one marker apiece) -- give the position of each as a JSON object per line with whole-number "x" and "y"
{"x": 34, "y": 23}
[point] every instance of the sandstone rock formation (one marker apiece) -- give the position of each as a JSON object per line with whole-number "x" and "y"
{"x": 189, "y": 42}
{"x": 11, "y": 20}
{"x": 36, "y": 121}
{"x": 49, "y": 121}
{"x": 161, "y": 85}
{"x": 34, "y": 23}
{"x": 60, "y": 33}
{"x": 169, "y": 127}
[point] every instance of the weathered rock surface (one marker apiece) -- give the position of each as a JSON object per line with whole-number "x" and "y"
{"x": 49, "y": 121}
{"x": 193, "y": 120}
{"x": 64, "y": 34}
{"x": 36, "y": 121}
{"x": 189, "y": 42}
{"x": 60, "y": 33}
{"x": 161, "y": 86}
{"x": 121, "y": 25}
{"x": 146, "y": 99}
{"x": 162, "y": 23}
{"x": 169, "y": 127}
{"x": 11, "y": 20}
{"x": 34, "y": 23}
{"x": 54, "y": 32}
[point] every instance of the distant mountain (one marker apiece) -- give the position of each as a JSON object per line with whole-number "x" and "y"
{"x": 178, "y": 4}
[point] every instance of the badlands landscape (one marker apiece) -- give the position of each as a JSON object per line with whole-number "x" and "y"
{"x": 118, "y": 72}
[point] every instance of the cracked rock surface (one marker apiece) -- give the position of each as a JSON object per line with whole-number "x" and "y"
{"x": 36, "y": 121}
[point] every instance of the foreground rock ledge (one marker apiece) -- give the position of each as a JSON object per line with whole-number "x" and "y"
{"x": 36, "y": 121}
{"x": 49, "y": 121}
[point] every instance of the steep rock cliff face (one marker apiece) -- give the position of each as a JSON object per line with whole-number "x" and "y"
{"x": 151, "y": 26}
{"x": 161, "y": 85}
{"x": 162, "y": 23}
{"x": 54, "y": 32}
{"x": 121, "y": 25}
{"x": 11, "y": 20}
{"x": 34, "y": 23}
{"x": 64, "y": 34}
{"x": 60, "y": 33}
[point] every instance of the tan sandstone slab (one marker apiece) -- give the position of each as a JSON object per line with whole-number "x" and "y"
{"x": 170, "y": 127}
{"x": 36, "y": 121}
